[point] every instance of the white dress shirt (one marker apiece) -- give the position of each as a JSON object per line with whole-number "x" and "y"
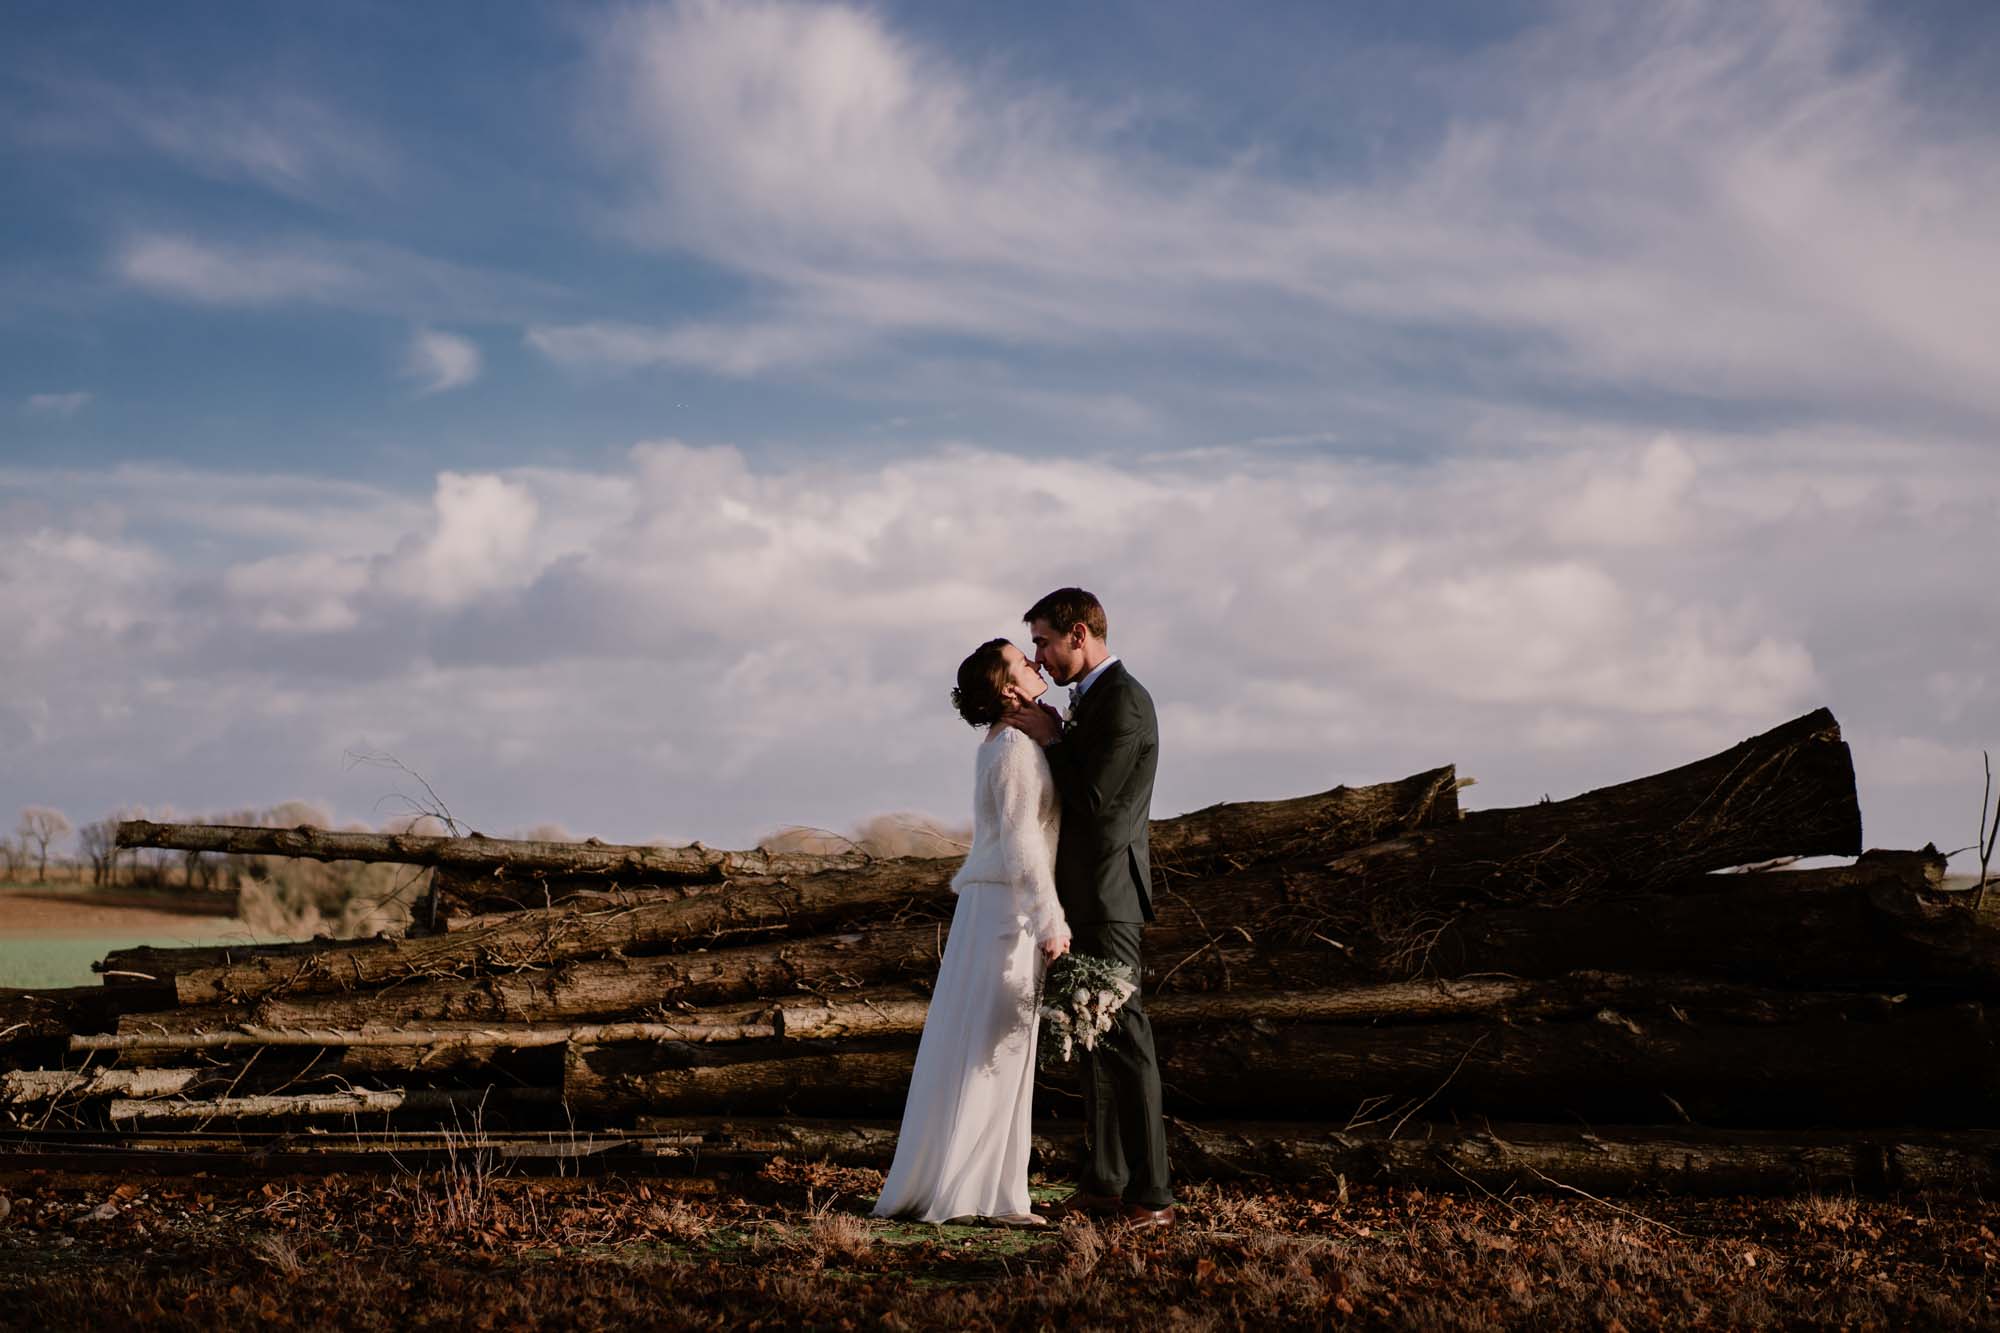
{"x": 1077, "y": 691}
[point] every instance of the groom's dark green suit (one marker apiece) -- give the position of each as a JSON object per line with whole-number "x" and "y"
{"x": 1103, "y": 764}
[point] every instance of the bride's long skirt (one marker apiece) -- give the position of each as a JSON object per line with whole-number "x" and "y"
{"x": 963, "y": 1150}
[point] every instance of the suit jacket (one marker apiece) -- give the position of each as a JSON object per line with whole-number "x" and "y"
{"x": 1103, "y": 768}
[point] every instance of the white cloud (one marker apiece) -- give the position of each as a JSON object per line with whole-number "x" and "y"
{"x": 734, "y": 350}
{"x": 484, "y": 539}
{"x": 192, "y": 271}
{"x": 57, "y": 404}
{"x": 442, "y": 361}
{"x": 348, "y": 275}
{"x": 1711, "y": 199}
{"x": 688, "y": 642}
{"x": 309, "y": 592}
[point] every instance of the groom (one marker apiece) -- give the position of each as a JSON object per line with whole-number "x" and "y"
{"x": 1103, "y": 759}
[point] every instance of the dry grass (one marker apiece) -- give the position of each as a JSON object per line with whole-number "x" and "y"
{"x": 475, "y": 1248}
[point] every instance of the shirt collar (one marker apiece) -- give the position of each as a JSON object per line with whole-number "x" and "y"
{"x": 1091, "y": 679}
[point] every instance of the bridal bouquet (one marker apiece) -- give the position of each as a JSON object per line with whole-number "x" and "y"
{"x": 1081, "y": 995}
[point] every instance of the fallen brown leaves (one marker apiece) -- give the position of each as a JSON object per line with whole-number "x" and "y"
{"x": 792, "y": 1246}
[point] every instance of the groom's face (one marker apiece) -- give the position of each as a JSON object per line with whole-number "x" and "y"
{"x": 1061, "y": 655}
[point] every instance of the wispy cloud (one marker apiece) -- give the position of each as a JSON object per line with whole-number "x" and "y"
{"x": 282, "y": 139}
{"x": 441, "y": 361}
{"x": 1738, "y": 203}
{"x": 734, "y": 350}
{"x": 190, "y": 270}
{"x": 57, "y": 404}
{"x": 348, "y": 274}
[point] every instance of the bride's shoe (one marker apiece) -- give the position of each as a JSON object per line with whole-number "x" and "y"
{"x": 1019, "y": 1221}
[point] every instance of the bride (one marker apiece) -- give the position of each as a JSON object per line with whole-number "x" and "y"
{"x": 963, "y": 1150}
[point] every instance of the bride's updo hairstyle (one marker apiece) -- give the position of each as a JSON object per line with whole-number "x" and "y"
{"x": 981, "y": 677}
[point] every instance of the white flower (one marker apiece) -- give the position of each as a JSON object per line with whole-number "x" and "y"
{"x": 1079, "y": 997}
{"x": 1106, "y": 999}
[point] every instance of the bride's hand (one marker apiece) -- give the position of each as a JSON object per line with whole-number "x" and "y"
{"x": 1055, "y": 948}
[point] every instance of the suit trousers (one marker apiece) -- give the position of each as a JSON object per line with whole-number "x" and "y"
{"x": 1125, "y": 1145}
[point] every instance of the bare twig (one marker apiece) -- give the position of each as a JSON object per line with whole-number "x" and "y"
{"x": 1986, "y": 839}
{"x": 1652, "y": 1221}
{"x": 1440, "y": 1087}
{"x": 432, "y": 806}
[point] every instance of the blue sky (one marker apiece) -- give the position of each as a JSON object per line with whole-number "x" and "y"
{"x": 625, "y": 413}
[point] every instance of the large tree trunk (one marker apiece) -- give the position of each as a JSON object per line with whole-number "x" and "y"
{"x": 1789, "y": 791}
{"x": 478, "y": 852}
{"x": 147, "y": 964}
{"x": 1879, "y": 923}
{"x": 1857, "y": 1061}
{"x": 40, "y": 1015}
{"x": 606, "y": 988}
{"x": 1510, "y": 1157}
{"x": 1236, "y": 833}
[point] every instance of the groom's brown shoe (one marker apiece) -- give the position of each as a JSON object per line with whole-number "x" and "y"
{"x": 1081, "y": 1204}
{"x": 1140, "y": 1217}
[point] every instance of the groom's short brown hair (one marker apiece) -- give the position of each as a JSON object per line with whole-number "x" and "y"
{"x": 1066, "y": 608}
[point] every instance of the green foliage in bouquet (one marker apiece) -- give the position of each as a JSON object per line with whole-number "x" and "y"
{"x": 1080, "y": 998}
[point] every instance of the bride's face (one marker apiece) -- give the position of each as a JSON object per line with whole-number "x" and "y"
{"x": 1024, "y": 679}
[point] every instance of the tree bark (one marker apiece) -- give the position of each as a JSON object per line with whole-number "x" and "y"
{"x": 29, "y": 1015}
{"x": 515, "y": 941}
{"x": 755, "y": 1024}
{"x": 357, "y": 1102}
{"x": 1234, "y": 833}
{"x": 1505, "y": 1157}
{"x": 42, "y": 1085}
{"x": 1873, "y": 1064}
{"x": 1879, "y": 923}
{"x": 147, "y": 964}
{"x": 1787, "y": 791}
{"x": 606, "y": 988}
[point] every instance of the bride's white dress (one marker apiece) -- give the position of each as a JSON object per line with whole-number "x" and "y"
{"x": 963, "y": 1150}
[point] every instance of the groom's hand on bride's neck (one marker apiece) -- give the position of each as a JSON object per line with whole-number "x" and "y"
{"x": 1040, "y": 723}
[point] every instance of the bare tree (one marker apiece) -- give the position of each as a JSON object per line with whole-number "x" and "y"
{"x": 98, "y": 841}
{"x": 41, "y": 826}
{"x": 13, "y": 856}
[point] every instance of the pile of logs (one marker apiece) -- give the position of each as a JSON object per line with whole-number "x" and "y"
{"x": 1364, "y": 979}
